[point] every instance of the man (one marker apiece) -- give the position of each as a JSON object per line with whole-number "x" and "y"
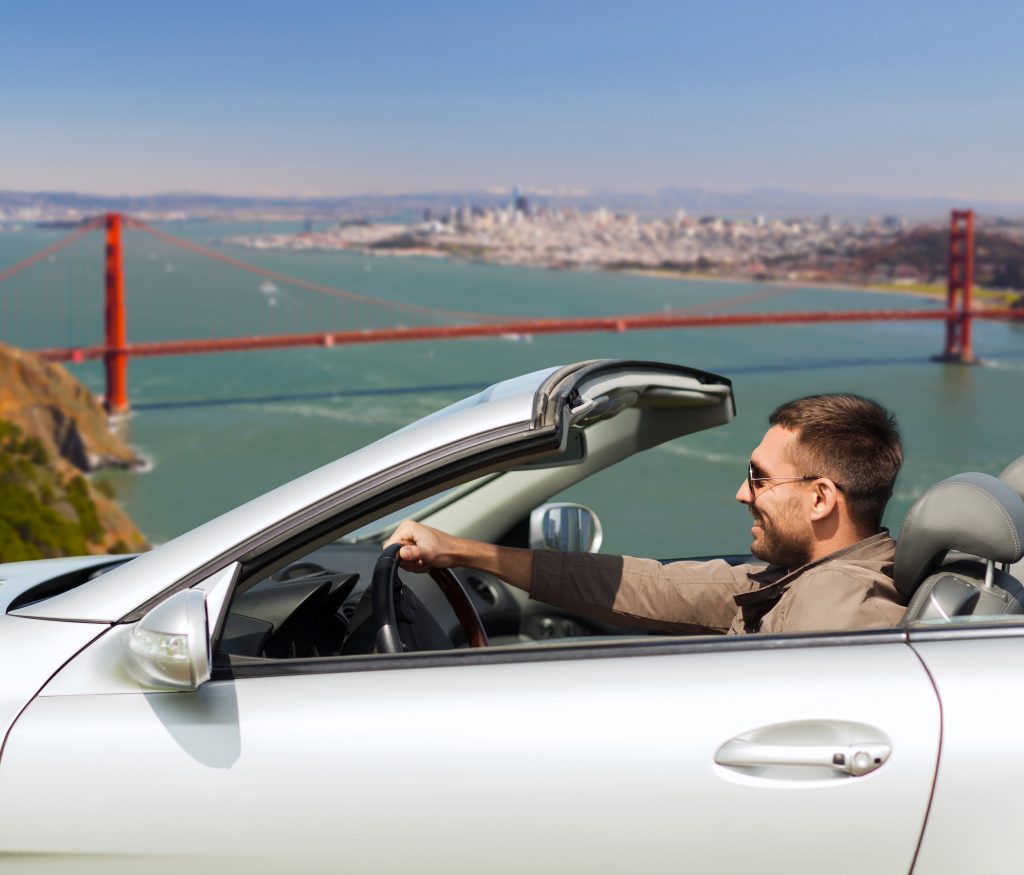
{"x": 816, "y": 487}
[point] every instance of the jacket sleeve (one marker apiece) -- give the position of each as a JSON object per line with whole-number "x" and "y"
{"x": 680, "y": 597}
{"x": 839, "y": 596}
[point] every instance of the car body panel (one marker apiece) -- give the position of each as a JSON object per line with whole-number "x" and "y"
{"x": 31, "y": 652}
{"x": 559, "y": 764}
{"x": 978, "y": 791}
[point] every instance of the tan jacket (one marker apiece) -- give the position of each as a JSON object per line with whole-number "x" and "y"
{"x": 849, "y": 589}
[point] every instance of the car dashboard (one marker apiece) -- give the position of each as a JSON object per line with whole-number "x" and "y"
{"x": 316, "y": 606}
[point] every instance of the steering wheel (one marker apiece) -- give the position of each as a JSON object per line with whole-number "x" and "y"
{"x": 384, "y": 586}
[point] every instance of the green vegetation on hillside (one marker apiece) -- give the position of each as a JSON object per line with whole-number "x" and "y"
{"x": 40, "y": 516}
{"x": 998, "y": 258}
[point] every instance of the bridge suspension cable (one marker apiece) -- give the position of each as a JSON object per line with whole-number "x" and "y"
{"x": 79, "y": 232}
{"x": 198, "y": 249}
{"x": 116, "y": 350}
{"x": 718, "y": 306}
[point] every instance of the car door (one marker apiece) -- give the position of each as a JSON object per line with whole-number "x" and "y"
{"x": 571, "y": 757}
{"x": 978, "y": 790}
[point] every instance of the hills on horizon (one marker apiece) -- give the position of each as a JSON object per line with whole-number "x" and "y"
{"x": 768, "y": 202}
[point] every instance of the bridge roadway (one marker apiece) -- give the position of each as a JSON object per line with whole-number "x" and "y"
{"x": 640, "y": 322}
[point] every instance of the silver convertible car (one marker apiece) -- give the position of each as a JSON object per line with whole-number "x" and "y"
{"x": 267, "y": 694}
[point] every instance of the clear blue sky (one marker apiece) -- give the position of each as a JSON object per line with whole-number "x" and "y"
{"x": 900, "y": 98}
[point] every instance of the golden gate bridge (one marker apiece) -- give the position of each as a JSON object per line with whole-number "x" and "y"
{"x": 115, "y": 350}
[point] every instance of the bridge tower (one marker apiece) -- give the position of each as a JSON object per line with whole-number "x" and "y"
{"x": 115, "y": 358}
{"x": 959, "y": 287}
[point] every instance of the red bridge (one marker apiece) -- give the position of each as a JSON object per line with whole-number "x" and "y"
{"x": 115, "y": 349}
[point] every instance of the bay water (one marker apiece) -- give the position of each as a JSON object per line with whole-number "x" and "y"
{"x": 218, "y": 430}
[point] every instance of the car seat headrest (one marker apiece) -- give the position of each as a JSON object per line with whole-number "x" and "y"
{"x": 974, "y": 513}
{"x": 1013, "y": 476}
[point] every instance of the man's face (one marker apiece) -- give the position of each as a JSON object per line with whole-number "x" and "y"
{"x": 782, "y": 530}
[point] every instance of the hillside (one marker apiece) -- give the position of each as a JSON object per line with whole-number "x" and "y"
{"x": 53, "y": 433}
{"x": 998, "y": 258}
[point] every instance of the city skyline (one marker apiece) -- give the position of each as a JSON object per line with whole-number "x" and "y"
{"x": 320, "y": 100}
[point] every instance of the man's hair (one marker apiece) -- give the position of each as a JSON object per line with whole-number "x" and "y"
{"x": 852, "y": 441}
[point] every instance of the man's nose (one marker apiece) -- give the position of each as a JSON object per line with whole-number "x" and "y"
{"x": 743, "y": 495}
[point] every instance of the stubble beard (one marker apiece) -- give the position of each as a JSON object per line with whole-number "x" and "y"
{"x": 790, "y": 550}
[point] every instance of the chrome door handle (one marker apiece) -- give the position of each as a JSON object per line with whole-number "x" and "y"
{"x": 853, "y": 759}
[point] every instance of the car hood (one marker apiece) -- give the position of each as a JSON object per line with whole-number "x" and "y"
{"x": 18, "y": 578}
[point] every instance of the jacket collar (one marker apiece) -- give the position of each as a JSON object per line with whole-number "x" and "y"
{"x": 773, "y": 580}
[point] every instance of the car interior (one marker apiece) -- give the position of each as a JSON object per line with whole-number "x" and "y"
{"x": 321, "y": 604}
{"x": 957, "y": 548}
{"x": 315, "y": 599}
{"x": 954, "y": 564}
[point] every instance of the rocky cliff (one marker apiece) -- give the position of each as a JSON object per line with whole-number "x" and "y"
{"x": 52, "y": 433}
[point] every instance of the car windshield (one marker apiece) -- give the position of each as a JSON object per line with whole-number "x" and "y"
{"x": 379, "y": 529}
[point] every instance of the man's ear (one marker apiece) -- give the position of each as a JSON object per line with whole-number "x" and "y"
{"x": 824, "y": 499}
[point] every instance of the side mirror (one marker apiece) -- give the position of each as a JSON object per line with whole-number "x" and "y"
{"x": 565, "y": 526}
{"x": 170, "y": 647}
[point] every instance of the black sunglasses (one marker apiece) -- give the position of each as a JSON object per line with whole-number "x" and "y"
{"x": 751, "y": 479}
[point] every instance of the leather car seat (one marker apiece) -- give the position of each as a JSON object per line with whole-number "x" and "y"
{"x": 1013, "y": 476}
{"x": 974, "y": 514}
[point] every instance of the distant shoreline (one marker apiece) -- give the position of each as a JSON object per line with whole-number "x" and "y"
{"x": 938, "y": 292}
{"x": 917, "y": 290}
{"x": 801, "y": 284}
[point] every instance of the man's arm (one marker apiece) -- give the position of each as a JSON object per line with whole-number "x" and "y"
{"x": 684, "y": 597}
{"x": 642, "y": 593}
{"x": 424, "y": 548}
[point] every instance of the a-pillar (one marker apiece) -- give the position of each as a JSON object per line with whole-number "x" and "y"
{"x": 116, "y": 358}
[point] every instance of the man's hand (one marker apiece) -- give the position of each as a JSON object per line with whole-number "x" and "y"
{"x": 424, "y": 548}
